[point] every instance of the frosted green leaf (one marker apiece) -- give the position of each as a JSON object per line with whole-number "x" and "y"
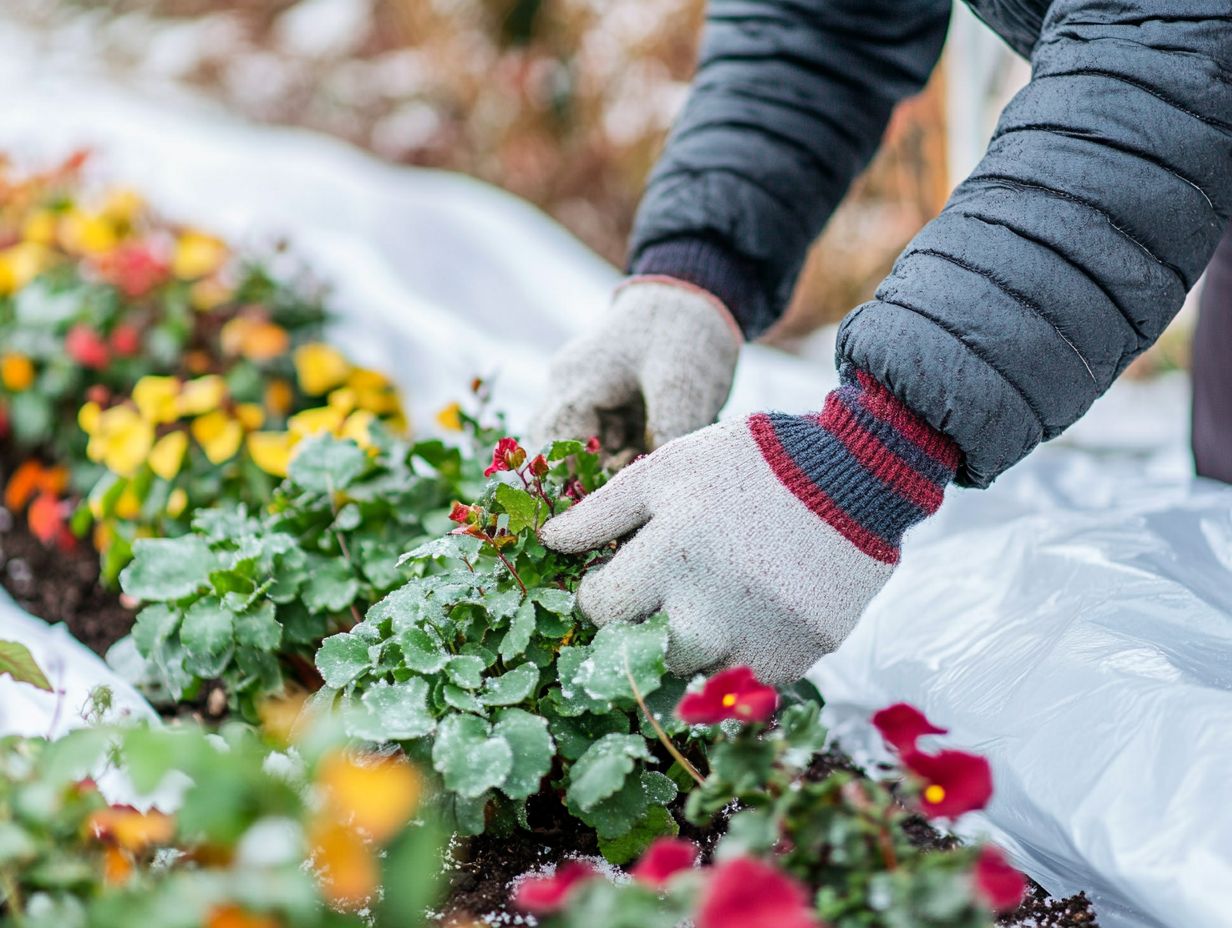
{"x": 510, "y": 688}
{"x": 342, "y": 658}
{"x": 528, "y": 738}
{"x": 602, "y": 770}
{"x": 469, "y": 759}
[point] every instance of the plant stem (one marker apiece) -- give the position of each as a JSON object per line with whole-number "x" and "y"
{"x": 12, "y": 894}
{"x": 504, "y": 560}
{"x": 662, "y": 735}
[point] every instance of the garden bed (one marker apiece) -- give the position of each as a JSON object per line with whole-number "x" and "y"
{"x": 308, "y": 577}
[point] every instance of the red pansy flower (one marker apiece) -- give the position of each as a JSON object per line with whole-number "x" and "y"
{"x": 901, "y": 724}
{"x": 731, "y": 694}
{"x": 747, "y": 893}
{"x": 543, "y": 895}
{"x": 955, "y": 782}
{"x": 999, "y": 884}
{"x": 84, "y": 346}
{"x": 664, "y": 859}
{"x": 125, "y": 340}
{"x": 539, "y": 466}
{"x": 134, "y": 270}
{"x": 508, "y": 455}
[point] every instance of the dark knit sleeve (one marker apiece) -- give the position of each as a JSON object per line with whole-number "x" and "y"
{"x": 1065, "y": 254}
{"x": 790, "y": 100}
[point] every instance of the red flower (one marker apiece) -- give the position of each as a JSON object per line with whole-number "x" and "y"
{"x": 731, "y": 694}
{"x": 460, "y": 513}
{"x": 592, "y": 445}
{"x": 664, "y": 859}
{"x": 543, "y": 895}
{"x": 134, "y": 270}
{"x": 901, "y": 724}
{"x": 539, "y": 466}
{"x": 574, "y": 489}
{"x": 955, "y": 782}
{"x": 84, "y": 346}
{"x": 508, "y": 455}
{"x": 125, "y": 340}
{"x": 47, "y": 522}
{"x": 746, "y": 893}
{"x": 999, "y": 884}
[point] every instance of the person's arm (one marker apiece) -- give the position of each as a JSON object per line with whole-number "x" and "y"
{"x": 789, "y": 103}
{"x": 1065, "y": 254}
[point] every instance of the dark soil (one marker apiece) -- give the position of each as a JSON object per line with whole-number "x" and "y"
{"x": 59, "y": 586}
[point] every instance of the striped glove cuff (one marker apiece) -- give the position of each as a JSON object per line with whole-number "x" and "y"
{"x": 866, "y": 464}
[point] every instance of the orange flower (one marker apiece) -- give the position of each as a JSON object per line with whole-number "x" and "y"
{"x": 232, "y": 916}
{"x": 348, "y": 873}
{"x": 376, "y": 795}
{"x": 117, "y": 866}
{"x": 279, "y": 397}
{"x": 16, "y": 372}
{"x": 126, "y": 828}
{"x": 254, "y": 338}
{"x": 33, "y": 477}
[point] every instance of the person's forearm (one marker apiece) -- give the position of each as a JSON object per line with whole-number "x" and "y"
{"x": 789, "y": 103}
{"x": 1074, "y": 242}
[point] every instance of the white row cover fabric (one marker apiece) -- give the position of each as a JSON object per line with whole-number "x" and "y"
{"x": 1074, "y": 623}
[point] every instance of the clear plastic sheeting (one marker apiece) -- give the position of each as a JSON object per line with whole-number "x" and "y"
{"x": 1074, "y": 625}
{"x": 75, "y": 673}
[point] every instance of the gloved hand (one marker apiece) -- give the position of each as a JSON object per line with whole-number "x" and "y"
{"x": 763, "y": 539}
{"x": 659, "y": 365}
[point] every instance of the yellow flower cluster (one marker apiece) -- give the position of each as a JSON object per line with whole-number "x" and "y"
{"x": 355, "y": 398}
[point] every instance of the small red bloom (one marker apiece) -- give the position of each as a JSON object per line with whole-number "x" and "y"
{"x": 593, "y": 445}
{"x": 574, "y": 489}
{"x": 901, "y": 724}
{"x": 747, "y": 893}
{"x": 508, "y": 455}
{"x": 125, "y": 341}
{"x": 999, "y": 884}
{"x": 664, "y": 859}
{"x": 134, "y": 270}
{"x": 955, "y": 782}
{"x": 460, "y": 513}
{"x": 731, "y": 694}
{"x": 543, "y": 895}
{"x": 47, "y": 522}
{"x": 84, "y": 346}
{"x": 4, "y": 420}
{"x": 98, "y": 394}
{"x": 539, "y": 466}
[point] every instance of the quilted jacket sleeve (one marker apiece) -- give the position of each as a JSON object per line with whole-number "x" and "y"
{"x": 1100, "y": 201}
{"x": 790, "y": 100}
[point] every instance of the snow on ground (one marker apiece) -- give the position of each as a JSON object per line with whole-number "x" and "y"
{"x": 1074, "y": 622}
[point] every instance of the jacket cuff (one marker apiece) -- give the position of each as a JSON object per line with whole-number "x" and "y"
{"x": 866, "y": 464}
{"x": 716, "y": 269}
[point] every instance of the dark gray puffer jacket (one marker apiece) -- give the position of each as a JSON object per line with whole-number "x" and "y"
{"x": 1101, "y": 198}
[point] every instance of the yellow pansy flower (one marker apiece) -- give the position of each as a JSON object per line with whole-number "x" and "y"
{"x": 374, "y": 392}
{"x": 167, "y": 455}
{"x": 450, "y": 417}
{"x": 83, "y": 233}
{"x": 356, "y": 428}
{"x": 40, "y": 227}
{"x": 177, "y": 502}
{"x": 208, "y": 294}
{"x": 16, "y": 372}
{"x": 218, "y": 434}
{"x": 320, "y": 368}
{"x": 87, "y": 417}
{"x": 197, "y": 255}
{"x": 156, "y": 398}
{"x": 315, "y": 421}
{"x": 123, "y": 205}
{"x": 342, "y": 399}
{"x": 128, "y": 506}
{"x": 251, "y": 416}
{"x": 202, "y": 395}
{"x": 121, "y": 440}
{"x": 20, "y": 264}
{"x": 271, "y": 451}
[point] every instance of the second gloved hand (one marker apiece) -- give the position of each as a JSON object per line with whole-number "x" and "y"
{"x": 763, "y": 539}
{"x": 657, "y": 366}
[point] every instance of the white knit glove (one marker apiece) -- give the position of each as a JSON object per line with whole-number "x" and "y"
{"x": 764, "y": 539}
{"x": 659, "y": 365}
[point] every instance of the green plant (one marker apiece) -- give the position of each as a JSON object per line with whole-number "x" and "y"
{"x": 250, "y": 817}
